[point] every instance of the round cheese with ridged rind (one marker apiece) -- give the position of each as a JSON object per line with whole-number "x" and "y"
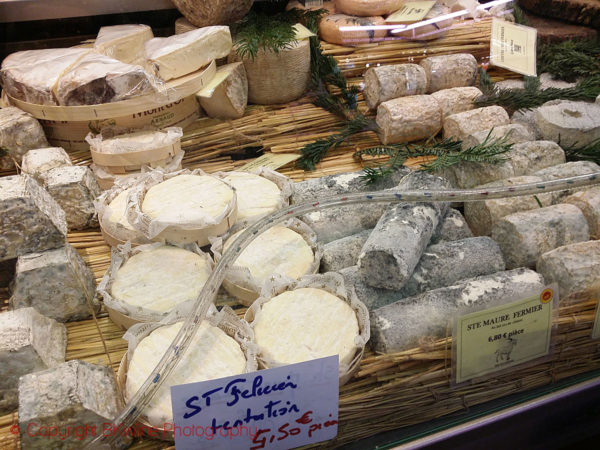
{"x": 306, "y": 324}
{"x": 161, "y": 278}
{"x": 188, "y": 200}
{"x": 256, "y": 196}
{"x": 212, "y": 354}
{"x": 277, "y": 250}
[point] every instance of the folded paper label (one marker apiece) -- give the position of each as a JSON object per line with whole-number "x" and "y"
{"x": 498, "y": 338}
{"x": 279, "y": 408}
{"x": 270, "y": 161}
{"x": 411, "y": 12}
{"x": 513, "y": 47}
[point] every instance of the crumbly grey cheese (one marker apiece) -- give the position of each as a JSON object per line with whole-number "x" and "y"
{"x": 57, "y": 283}
{"x": 463, "y": 124}
{"x": 19, "y": 132}
{"x": 41, "y": 160}
{"x": 28, "y": 342}
{"x": 512, "y": 133}
{"x": 588, "y": 202}
{"x": 456, "y": 100}
{"x": 30, "y": 220}
{"x": 407, "y": 119}
{"x": 449, "y": 71}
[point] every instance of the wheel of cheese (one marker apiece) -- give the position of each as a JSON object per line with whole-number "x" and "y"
{"x": 256, "y": 196}
{"x": 160, "y": 278}
{"x": 430, "y": 31}
{"x": 275, "y": 78}
{"x": 202, "y": 13}
{"x": 329, "y": 29}
{"x": 279, "y": 250}
{"x": 329, "y": 6}
{"x": 212, "y": 354}
{"x": 114, "y": 224}
{"x": 369, "y": 7}
{"x": 305, "y": 324}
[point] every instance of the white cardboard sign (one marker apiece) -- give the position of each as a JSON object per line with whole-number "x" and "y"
{"x": 278, "y": 408}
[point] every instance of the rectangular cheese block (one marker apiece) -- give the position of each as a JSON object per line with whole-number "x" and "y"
{"x": 97, "y": 79}
{"x": 230, "y": 97}
{"x": 181, "y": 54}
{"x": 31, "y": 75}
{"x": 123, "y": 42}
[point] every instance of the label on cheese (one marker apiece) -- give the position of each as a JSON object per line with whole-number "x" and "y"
{"x": 505, "y": 336}
{"x": 302, "y": 32}
{"x": 411, "y": 12}
{"x": 284, "y": 407}
{"x": 271, "y": 161}
{"x": 596, "y": 331}
{"x": 513, "y": 47}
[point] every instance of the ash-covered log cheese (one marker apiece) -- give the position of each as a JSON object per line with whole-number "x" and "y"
{"x": 212, "y": 354}
{"x": 570, "y": 169}
{"x": 123, "y": 42}
{"x": 388, "y": 82}
{"x": 158, "y": 278}
{"x": 524, "y": 236}
{"x": 74, "y": 188}
{"x": 256, "y": 196}
{"x": 180, "y": 54}
{"x": 575, "y": 267}
{"x": 31, "y": 75}
{"x": 463, "y": 124}
{"x": 449, "y": 71}
{"x": 30, "y": 220}
{"x": 456, "y": 100}
{"x": 75, "y": 395}
{"x": 19, "y": 133}
{"x": 279, "y": 250}
{"x": 343, "y": 252}
{"x": 588, "y": 202}
{"x": 452, "y": 228}
{"x": 57, "y": 283}
{"x": 368, "y": 7}
{"x": 402, "y": 325}
{"x": 305, "y": 324}
{"x": 330, "y": 29}
{"x": 39, "y": 161}
{"x": 407, "y": 119}
{"x": 96, "y": 79}
{"x": 230, "y": 98}
{"x": 30, "y": 342}
{"x": 483, "y": 215}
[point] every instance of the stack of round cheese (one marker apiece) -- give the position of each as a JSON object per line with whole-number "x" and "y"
{"x": 150, "y": 281}
{"x": 183, "y": 207}
{"x": 309, "y": 320}
{"x": 212, "y": 354}
{"x": 289, "y": 251}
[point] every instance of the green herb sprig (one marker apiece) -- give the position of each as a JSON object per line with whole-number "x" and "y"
{"x": 589, "y": 152}
{"x": 570, "y": 60}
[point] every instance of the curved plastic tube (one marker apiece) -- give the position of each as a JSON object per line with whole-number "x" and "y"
{"x": 167, "y": 364}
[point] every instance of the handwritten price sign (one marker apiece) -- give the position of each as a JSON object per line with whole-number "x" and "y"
{"x": 277, "y": 408}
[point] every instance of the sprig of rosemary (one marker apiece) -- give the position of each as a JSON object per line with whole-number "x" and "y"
{"x": 447, "y": 153}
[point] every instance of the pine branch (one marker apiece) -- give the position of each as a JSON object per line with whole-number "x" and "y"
{"x": 448, "y": 152}
{"x": 519, "y": 15}
{"x": 589, "y": 152}
{"x": 570, "y": 60}
{"x": 314, "y": 152}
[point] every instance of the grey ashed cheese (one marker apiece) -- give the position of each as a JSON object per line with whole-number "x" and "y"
{"x": 19, "y": 133}
{"x": 41, "y": 160}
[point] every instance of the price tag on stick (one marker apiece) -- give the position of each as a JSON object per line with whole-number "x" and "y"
{"x": 278, "y": 408}
{"x": 513, "y": 47}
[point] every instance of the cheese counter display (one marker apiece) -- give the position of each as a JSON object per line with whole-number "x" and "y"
{"x": 266, "y": 187}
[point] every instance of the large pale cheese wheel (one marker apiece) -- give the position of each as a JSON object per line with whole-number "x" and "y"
{"x": 202, "y": 13}
{"x": 123, "y": 42}
{"x": 187, "y": 199}
{"x": 306, "y": 324}
{"x": 277, "y": 250}
{"x": 212, "y": 354}
{"x": 430, "y": 31}
{"x": 161, "y": 278}
{"x": 369, "y": 7}
{"x": 329, "y": 29}
{"x": 256, "y": 196}
{"x": 275, "y": 78}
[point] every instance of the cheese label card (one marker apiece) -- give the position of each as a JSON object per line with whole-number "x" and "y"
{"x": 497, "y": 338}
{"x": 302, "y": 32}
{"x": 271, "y": 161}
{"x": 411, "y": 12}
{"x": 513, "y": 47}
{"x": 280, "y": 408}
{"x": 596, "y": 331}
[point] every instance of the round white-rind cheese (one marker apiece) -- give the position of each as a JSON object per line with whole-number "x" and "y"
{"x": 212, "y": 354}
{"x": 256, "y": 196}
{"x": 161, "y": 278}
{"x": 305, "y": 324}
{"x": 277, "y": 250}
{"x": 188, "y": 200}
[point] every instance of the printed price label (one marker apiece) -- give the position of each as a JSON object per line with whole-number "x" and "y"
{"x": 278, "y": 408}
{"x": 596, "y": 331}
{"x": 513, "y": 47}
{"x": 411, "y": 12}
{"x": 504, "y": 336}
{"x": 271, "y": 161}
{"x": 301, "y": 32}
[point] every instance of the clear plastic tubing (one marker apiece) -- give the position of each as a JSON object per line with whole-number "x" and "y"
{"x": 128, "y": 416}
